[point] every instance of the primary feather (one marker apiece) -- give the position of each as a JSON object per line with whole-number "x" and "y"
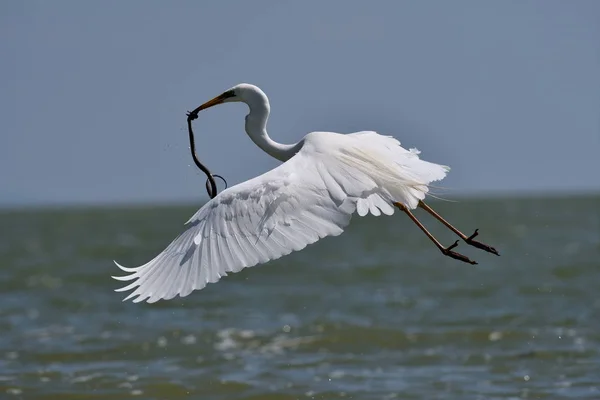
{"x": 309, "y": 197}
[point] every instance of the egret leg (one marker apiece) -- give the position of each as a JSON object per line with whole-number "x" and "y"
{"x": 447, "y": 251}
{"x": 468, "y": 239}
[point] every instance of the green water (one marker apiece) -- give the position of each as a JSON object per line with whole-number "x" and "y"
{"x": 376, "y": 313}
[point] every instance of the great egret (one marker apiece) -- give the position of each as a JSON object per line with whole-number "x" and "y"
{"x": 324, "y": 179}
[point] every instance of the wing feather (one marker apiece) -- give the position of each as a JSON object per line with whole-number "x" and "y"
{"x": 309, "y": 197}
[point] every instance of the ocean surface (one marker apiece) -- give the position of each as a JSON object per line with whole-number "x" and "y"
{"x": 376, "y": 313}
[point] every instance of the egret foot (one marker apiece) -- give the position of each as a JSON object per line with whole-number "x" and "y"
{"x": 480, "y": 245}
{"x": 457, "y": 256}
{"x": 468, "y": 239}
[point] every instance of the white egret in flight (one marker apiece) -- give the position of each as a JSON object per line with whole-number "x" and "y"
{"x": 324, "y": 179}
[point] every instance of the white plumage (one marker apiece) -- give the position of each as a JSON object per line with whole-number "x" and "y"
{"x": 325, "y": 179}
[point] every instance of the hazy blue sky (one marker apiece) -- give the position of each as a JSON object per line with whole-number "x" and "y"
{"x": 94, "y": 94}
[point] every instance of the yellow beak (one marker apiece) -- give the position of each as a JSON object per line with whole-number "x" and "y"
{"x": 217, "y": 100}
{"x": 213, "y": 102}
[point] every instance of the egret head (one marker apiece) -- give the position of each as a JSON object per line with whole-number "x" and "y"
{"x": 244, "y": 92}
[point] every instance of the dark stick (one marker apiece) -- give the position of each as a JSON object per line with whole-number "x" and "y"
{"x": 211, "y": 185}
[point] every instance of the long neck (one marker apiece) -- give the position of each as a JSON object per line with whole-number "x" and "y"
{"x": 256, "y": 128}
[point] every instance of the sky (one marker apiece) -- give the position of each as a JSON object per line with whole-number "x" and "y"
{"x": 94, "y": 94}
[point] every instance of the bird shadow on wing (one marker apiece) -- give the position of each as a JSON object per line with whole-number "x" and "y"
{"x": 269, "y": 212}
{"x": 190, "y": 252}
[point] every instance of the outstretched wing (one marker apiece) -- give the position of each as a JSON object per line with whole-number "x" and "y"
{"x": 311, "y": 196}
{"x": 262, "y": 219}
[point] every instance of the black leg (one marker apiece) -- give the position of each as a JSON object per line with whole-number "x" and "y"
{"x": 468, "y": 239}
{"x": 447, "y": 251}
